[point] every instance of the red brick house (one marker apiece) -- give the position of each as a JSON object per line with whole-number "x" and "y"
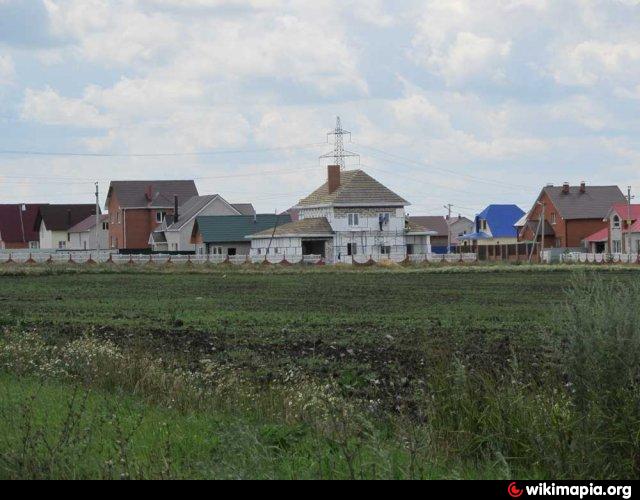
{"x": 571, "y": 213}
{"x": 17, "y": 226}
{"x": 137, "y": 208}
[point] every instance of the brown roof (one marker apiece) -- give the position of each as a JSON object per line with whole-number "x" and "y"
{"x": 151, "y": 194}
{"x": 63, "y": 217}
{"x": 88, "y": 224}
{"x": 244, "y": 208}
{"x": 356, "y": 189}
{"x": 17, "y": 223}
{"x": 435, "y": 223}
{"x": 594, "y": 203}
{"x": 312, "y": 226}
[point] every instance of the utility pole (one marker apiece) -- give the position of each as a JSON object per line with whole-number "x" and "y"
{"x": 448, "y": 207}
{"x": 627, "y": 240}
{"x": 97, "y": 220}
{"x": 542, "y": 228}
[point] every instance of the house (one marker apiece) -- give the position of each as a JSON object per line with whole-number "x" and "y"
{"x": 621, "y": 234}
{"x": 350, "y": 215}
{"x": 137, "y": 208}
{"x": 459, "y": 226}
{"x": 53, "y": 223}
{"x": 571, "y": 214}
{"x": 495, "y": 225}
{"x": 87, "y": 235}
{"x": 17, "y": 226}
{"x": 175, "y": 231}
{"x": 437, "y": 224}
{"x": 227, "y": 234}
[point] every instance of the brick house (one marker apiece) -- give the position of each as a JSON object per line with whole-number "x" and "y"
{"x": 137, "y": 208}
{"x": 17, "y": 226}
{"x": 572, "y": 213}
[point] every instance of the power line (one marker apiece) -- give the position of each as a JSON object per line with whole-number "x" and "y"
{"x": 16, "y": 152}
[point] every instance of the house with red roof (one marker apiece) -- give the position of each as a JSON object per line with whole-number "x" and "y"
{"x": 622, "y": 231}
{"x": 17, "y": 226}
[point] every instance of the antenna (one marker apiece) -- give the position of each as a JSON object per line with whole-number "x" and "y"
{"x": 339, "y": 153}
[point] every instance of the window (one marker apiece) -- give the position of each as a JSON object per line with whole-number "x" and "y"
{"x": 352, "y": 249}
{"x": 34, "y": 244}
{"x": 483, "y": 225}
{"x": 62, "y": 245}
{"x": 385, "y": 250}
{"x": 160, "y": 215}
{"x": 354, "y": 220}
{"x": 553, "y": 218}
{"x": 409, "y": 249}
{"x": 616, "y": 222}
{"x": 231, "y": 252}
{"x": 259, "y": 251}
{"x": 617, "y": 246}
{"x": 105, "y": 226}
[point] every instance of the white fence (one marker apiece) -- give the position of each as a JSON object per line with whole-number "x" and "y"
{"x": 600, "y": 258}
{"x": 40, "y": 257}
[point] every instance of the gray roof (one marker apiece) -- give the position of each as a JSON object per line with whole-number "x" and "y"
{"x": 313, "y": 226}
{"x": 235, "y": 228}
{"x": 189, "y": 209}
{"x": 88, "y": 224}
{"x": 436, "y": 223}
{"x": 594, "y": 203}
{"x": 244, "y": 208}
{"x": 151, "y": 194}
{"x": 356, "y": 189}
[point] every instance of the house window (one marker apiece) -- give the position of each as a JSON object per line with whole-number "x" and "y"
{"x": 553, "y": 218}
{"x": 410, "y": 249}
{"x": 616, "y": 222}
{"x": 34, "y": 244}
{"x": 160, "y": 215}
{"x": 105, "y": 226}
{"x": 354, "y": 220}
{"x": 483, "y": 225}
{"x": 385, "y": 250}
{"x": 352, "y": 249}
{"x": 617, "y": 246}
{"x": 259, "y": 251}
{"x": 62, "y": 245}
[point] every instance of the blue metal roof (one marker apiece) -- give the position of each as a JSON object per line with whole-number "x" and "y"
{"x": 501, "y": 220}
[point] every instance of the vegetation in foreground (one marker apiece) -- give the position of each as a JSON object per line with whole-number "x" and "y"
{"x": 320, "y": 375}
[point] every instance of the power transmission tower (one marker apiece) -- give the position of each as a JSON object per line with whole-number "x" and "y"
{"x": 339, "y": 153}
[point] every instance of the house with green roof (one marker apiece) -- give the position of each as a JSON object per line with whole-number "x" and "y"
{"x": 226, "y": 235}
{"x": 351, "y": 217}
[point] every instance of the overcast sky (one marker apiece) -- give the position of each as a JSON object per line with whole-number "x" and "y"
{"x": 467, "y": 102}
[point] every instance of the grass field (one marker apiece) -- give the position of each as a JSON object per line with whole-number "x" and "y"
{"x": 383, "y": 373}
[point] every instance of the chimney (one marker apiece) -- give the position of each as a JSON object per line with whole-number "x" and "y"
{"x": 333, "y": 172}
{"x": 583, "y": 187}
{"x": 175, "y": 208}
{"x": 149, "y": 193}
{"x": 565, "y": 188}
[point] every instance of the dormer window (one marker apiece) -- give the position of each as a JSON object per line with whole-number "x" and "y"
{"x": 483, "y": 224}
{"x": 616, "y": 222}
{"x": 354, "y": 220}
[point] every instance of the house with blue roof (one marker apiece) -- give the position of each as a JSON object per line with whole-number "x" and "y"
{"x": 496, "y": 225}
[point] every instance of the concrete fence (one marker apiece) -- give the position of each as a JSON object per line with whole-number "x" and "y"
{"x": 40, "y": 257}
{"x": 600, "y": 258}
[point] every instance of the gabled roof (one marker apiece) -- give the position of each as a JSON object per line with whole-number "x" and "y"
{"x": 305, "y": 227}
{"x": 501, "y": 220}
{"x": 244, "y": 208}
{"x": 594, "y": 203}
{"x": 623, "y": 210}
{"x": 189, "y": 209}
{"x": 235, "y": 228}
{"x": 356, "y": 189}
{"x": 63, "y": 217}
{"x": 437, "y": 223}
{"x": 151, "y": 194}
{"x": 18, "y": 225}
{"x": 88, "y": 224}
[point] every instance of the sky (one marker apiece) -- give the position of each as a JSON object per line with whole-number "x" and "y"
{"x": 468, "y": 102}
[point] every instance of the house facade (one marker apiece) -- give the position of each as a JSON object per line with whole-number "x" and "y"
{"x": 226, "y": 235}
{"x": 495, "y": 225}
{"x": 137, "y": 208}
{"x": 87, "y": 235}
{"x": 459, "y": 227}
{"x": 437, "y": 224}
{"x": 622, "y": 233}
{"x": 351, "y": 215}
{"x": 17, "y": 226}
{"x": 571, "y": 214}
{"x": 174, "y": 234}
{"x": 53, "y": 223}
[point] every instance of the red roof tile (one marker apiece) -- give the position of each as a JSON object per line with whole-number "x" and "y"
{"x": 17, "y": 223}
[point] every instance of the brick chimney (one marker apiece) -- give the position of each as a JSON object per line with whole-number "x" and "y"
{"x": 175, "y": 208}
{"x": 333, "y": 174}
{"x": 149, "y": 193}
{"x": 583, "y": 187}
{"x": 565, "y": 188}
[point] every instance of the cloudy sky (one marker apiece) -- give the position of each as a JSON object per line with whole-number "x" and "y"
{"x": 467, "y": 102}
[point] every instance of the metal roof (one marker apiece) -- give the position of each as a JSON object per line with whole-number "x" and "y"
{"x": 18, "y": 225}
{"x": 594, "y": 203}
{"x": 501, "y": 220}
{"x": 437, "y": 223}
{"x": 88, "y": 224}
{"x": 234, "y": 228}
{"x": 151, "y": 194}
{"x": 63, "y": 217}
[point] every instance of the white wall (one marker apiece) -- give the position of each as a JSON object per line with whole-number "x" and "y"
{"x": 51, "y": 239}
{"x": 87, "y": 240}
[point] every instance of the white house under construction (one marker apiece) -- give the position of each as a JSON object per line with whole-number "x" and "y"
{"x": 350, "y": 217}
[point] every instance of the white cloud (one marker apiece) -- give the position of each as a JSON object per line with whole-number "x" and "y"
{"x": 7, "y": 69}
{"x": 48, "y": 107}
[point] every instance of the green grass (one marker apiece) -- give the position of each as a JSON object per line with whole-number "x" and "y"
{"x": 309, "y": 373}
